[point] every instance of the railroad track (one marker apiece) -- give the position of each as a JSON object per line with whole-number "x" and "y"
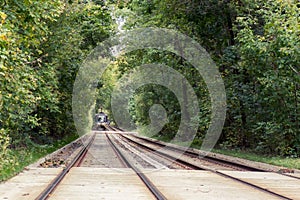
{"x": 181, "y": 155}
{"x": 157, "y": 194}
{"x": 111, "y": 128}
{"x": 153, "y": 146}
{"x": 122, "y": 143}
{"x": 78, "y": 159}
{"x": 187, "y": 152}
{"x": 161, "y": 157}
{"x": 75, "y": 162}
{"x": 140, "y": 153}
{"x": 209, "y": 158}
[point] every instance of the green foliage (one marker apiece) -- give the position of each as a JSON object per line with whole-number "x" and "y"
{"x": 25, "y": 83}
{"x": 269, "y": 58}
{"x": 292, "y": 163}
{"x": 42, "y": 44}
{"x": 254, "y": 43}
{"x": 256, "y": 46}
{"x": 4, "y": 143}
{"x": 84, "y": 27}
{"x": 15, "y": 160}
{"x": 105, "y": 89}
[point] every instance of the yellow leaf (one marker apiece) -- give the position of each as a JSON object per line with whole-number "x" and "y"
{"x": 3, "y": 17}
{"x": 3, "y": 37}
{"x": 3, "y": 67}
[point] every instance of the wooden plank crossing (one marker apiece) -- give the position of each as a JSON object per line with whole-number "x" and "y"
{"x": 105, "y": 183}
{"x": 101, "y": 183}
{"x": 123, "y": 183}
{"x": 284, "y": 185}
{"x": 192, "y": 184}
{"x": 28, "y": 184}
{"x": 297, "y": 174}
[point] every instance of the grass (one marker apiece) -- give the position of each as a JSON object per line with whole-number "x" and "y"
{"x": 273, "y": 160}
{"x": 16, "y": 160}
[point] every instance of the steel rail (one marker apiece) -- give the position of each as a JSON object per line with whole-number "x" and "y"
{"x": 212, "y": 170}
{"x": 172, "y": 158}
{"x": 52, "y": 186}
{"x": 117, "y": 152}
{"x": 191, "y": 165}
{"x": 191, "y": 153}
{"x": 216, "y": 160}
{"x": 252, "y": 185}
{"x": 288, "y": 175}
{"x": 108, "y": 127}
{"x": 167, "y": 157}
{"x": 158, "y": 195}
{"x": 206, "y": 158}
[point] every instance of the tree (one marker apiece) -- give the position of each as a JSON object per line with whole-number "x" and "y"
{"x": 255, "y": 45}
{"x": 267, "y": 45}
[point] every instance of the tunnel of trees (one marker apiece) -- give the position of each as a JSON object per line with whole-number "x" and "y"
{"x": 255, "y": 45}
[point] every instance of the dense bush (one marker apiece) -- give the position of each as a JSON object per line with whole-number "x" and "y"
{"x": 42, "y": 44}
{"x": 256, "y": 46}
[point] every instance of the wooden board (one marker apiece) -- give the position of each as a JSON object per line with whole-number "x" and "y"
{"x": 101, "y": 183}
{"x": 118, "y": 183}
{"x": 297, "y": 175}
{"x": 284, "y": 185}
{"x": 28, "y": 184}
{"x": 192, "y": 184}
{"x": 101, "y": 154}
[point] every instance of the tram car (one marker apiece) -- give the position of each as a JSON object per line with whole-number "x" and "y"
{"x": 101, "y": 120}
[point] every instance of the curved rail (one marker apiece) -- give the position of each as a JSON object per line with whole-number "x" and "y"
{"x": 164, "y": 155}
{"x": 191, "y": 165}
{"x": 206, "y": 168}
{"x": 190, "y": 153}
